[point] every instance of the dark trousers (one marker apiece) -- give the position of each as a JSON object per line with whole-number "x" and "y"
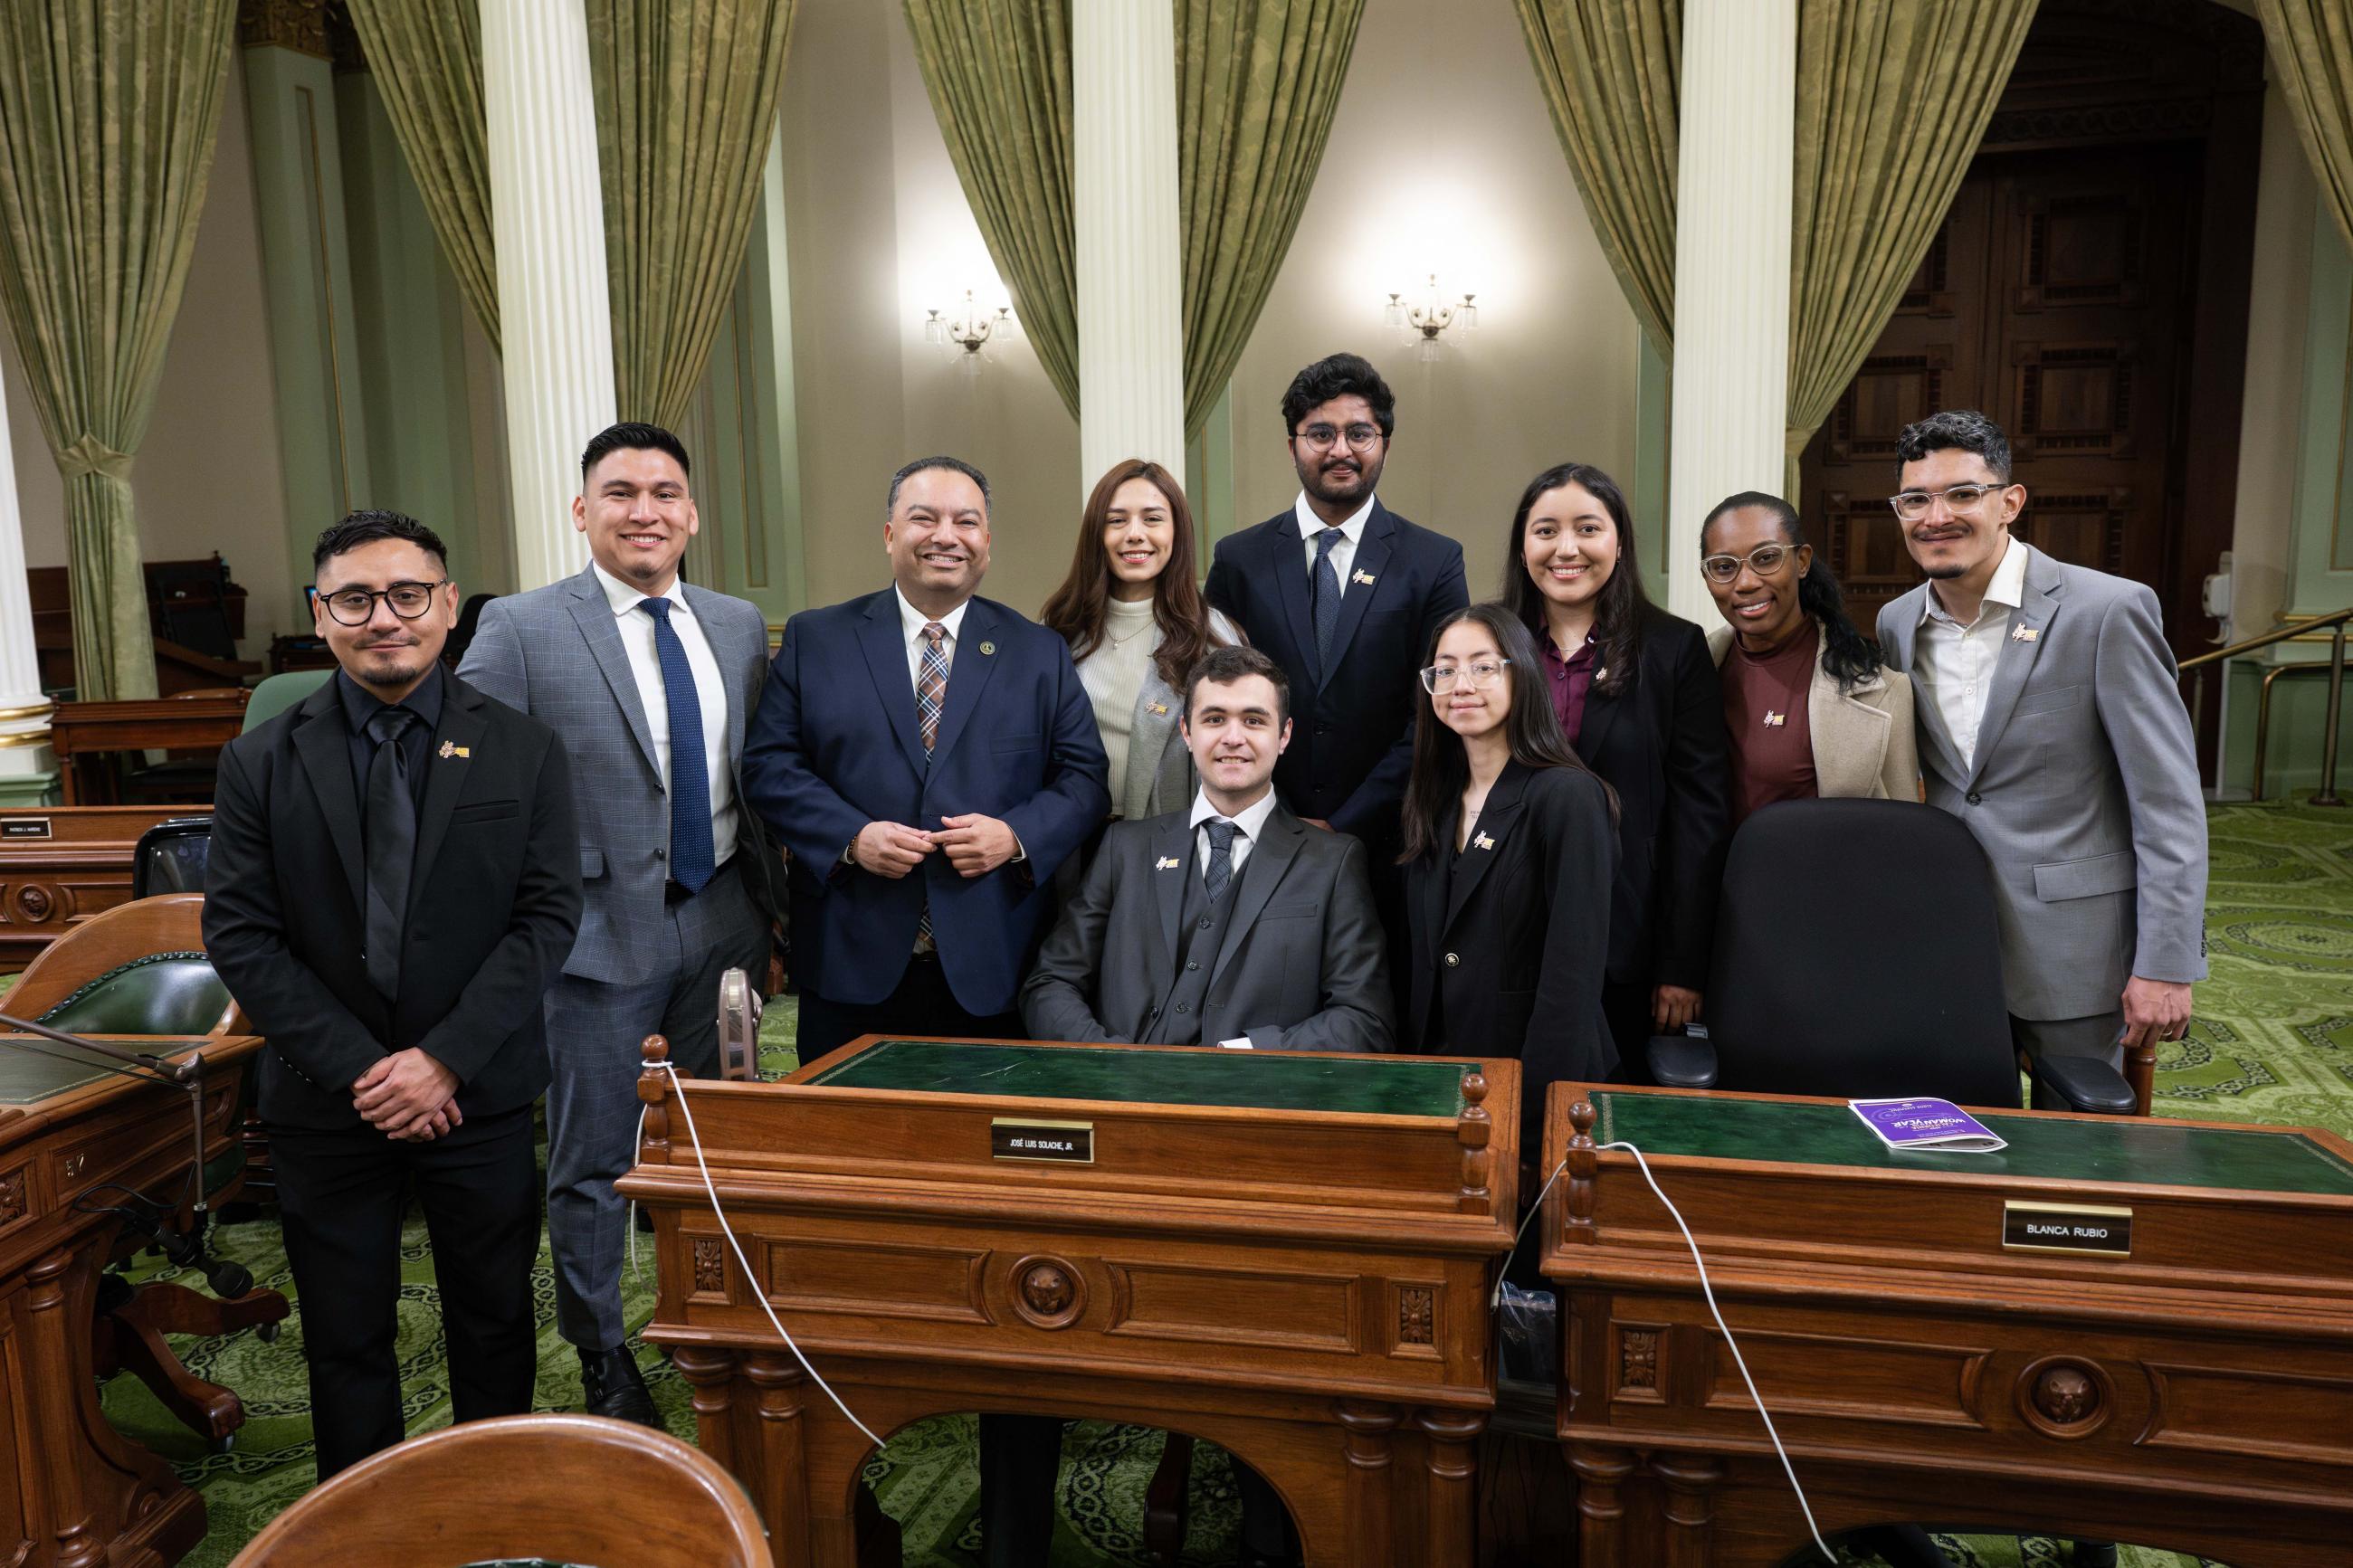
{"x": 343, "y": 1194}
{"x": 1020, "y": 1458}
{"x": 921, "y": 1006}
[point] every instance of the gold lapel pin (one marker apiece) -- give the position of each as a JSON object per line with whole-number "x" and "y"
{"x": 1364, "y": 577}
{"x": 1169, "y": 863}
{"x": 988, "y": 648}
{"x": 451, "y": 749}
{"x": 1483, "y": 842}
{"x": 1160, "y": 707}
{"x": 2023, "y": 633}
{"x": 1774, "y": 721}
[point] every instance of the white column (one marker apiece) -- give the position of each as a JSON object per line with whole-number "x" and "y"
{"x": 555, "y": 320}
{"x": 1131, "y": 302}
{"x": 27, "y": 766}
{"x": 1731, "y": 271}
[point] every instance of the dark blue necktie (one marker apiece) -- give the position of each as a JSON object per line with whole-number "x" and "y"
{"x": 1326, "y": 581}
{"x": 691, "y": 850}
{"x": 1221, "y": 873}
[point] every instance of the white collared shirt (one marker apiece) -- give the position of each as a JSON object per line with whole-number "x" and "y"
{"x": 1352, "y": 533}
{"x": 1955, "y": 663}
{"x": 1251, "y": 821}
{"x": 912, "y": 622}
{"x": 637, "y": 629}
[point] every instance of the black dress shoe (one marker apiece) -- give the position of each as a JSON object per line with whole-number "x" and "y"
{"x": 611, "y": 1386}
{"x": 2095, "y": 1554}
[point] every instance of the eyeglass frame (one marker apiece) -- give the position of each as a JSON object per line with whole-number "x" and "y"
{"x": 383, "y": 596}
{"x": 1340, "y": 435}
{"x": 1894, "y": 503}
{"x": 1749, "y": 561}
{"x": 1430, "y": 676}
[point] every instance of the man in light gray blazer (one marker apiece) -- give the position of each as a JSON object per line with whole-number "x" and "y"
{"x": 635, "y": 672}
{"x": 2051, "y": 724}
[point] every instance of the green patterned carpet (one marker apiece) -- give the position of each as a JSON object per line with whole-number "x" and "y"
{"x": 2272, "y": 1042}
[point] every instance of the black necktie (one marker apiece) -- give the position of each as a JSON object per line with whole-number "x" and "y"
{"x": 391, "y": 838}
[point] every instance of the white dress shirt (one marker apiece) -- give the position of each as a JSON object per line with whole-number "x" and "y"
{"x": 637, "y": 629}
{"x": 1251, "y": 821}
{"x": 1955, "y": 663}
{"x": 912, "y": 622}
{"x": 1352, "y": 533}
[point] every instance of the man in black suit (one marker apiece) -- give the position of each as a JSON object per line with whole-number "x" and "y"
{"x": 1346, "y": 596}
{"x": 394, "y": 883}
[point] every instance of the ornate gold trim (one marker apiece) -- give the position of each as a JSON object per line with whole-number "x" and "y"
{"x": 30, "y": 738}
{"x": 32, "y": 711}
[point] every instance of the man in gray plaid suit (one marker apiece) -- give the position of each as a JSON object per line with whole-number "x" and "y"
{"x": 649, "y": 682}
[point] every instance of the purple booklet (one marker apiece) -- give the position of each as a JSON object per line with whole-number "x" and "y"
{"x": 1937, "y": 1124}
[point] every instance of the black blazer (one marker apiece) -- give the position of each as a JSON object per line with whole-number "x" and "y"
{"x": 1351, "y": 734}
{"x": 494, "y": 902}
{"x": 1661, "y": 745}
{"x": 1507, "y": 939}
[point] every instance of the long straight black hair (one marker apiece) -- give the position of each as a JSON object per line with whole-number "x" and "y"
{"x": 1848, "y": 656}
{"x": 1617, "y": 610}
{"x": 1442, "y": 767}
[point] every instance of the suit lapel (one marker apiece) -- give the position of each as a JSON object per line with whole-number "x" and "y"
{"x": 1903, "y": 640}
{"x": 324, "y": 742}
{"x": 1497, "y": 820}
{"x": 880, "y": 636}
{"x": 1850, "y": 736}
{"x": 1173, "y": 842}
{"x": 594, "y": 613}
{"x": 1269, "y": 857}
{"x": 1155, "y": 716}
{"x": 1601, "y": 712}
{"x": 1285, "y": 562}
{"x": 2018, "y": 657}
{"x": 732, "y": 674}
{"x": 447, "y": 766}
{"x": 975, "y": 661}
{"x": 1372, "y": 562}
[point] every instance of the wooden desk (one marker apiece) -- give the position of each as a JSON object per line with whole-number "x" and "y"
{"x": 77, "y": 731}
{"x": 1285, "y": 1253}
{"x": 2196, "y": 1393}
{"x": 60, "y": 865}
{"x": 84, "y": 1494}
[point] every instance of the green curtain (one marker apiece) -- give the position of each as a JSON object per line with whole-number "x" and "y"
{"x": 686, "y": 107}
{"x": 108, "y": 110}
{"x": 1893, "y": 99}
{"x": 999, "y": 73}
{"x": 1612, "y": 72}
{"x": 427, "y": 58}
{"x": 2311, "y": 44}
{"x": 1257, "y": 81}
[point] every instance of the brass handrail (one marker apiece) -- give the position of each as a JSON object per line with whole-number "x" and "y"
{"x": 2196, "y": 668}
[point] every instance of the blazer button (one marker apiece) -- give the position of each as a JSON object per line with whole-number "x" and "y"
{"x": 1204, "y": 922}
{"x": 1974, "y": 798}
{"x": 1183, "y": 1006}
{"x": 1451, "y": 960}
{"x": 1192, "y": 966}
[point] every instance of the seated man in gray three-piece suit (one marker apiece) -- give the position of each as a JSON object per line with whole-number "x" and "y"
{"x": 1226, "y": 924}
{"x": 649, "y": 682}
{"x": 2050, "y": 724}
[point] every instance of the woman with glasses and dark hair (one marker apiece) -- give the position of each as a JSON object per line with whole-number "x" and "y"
{"x": 1635, "y": 693}
{"x": 1131, "y": 611}
{"x": 1510, "y": 849}
{"x": 1809, "y": 709}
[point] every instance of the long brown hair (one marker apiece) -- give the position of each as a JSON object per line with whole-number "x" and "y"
{"x": 1619, "y": 610}
{"x": 1076, "y": 611}
{"x": 1441, "y": 764}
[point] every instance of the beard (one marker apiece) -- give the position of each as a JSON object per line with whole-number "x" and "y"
{"x": 1350, "y": 484}
{"x": 1944, "y": 573}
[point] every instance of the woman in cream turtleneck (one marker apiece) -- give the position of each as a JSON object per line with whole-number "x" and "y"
{"x": 1133, "y": 612}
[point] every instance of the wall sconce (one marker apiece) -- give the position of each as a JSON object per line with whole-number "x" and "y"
{"x": 1432, "y": 315}
{"x": 969, "y": 327}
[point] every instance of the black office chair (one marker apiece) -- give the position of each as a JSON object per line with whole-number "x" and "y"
{"x": 1857, "y": 956}
{"x": 171, "y": 856}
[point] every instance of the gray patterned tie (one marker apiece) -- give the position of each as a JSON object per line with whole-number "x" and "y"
{"x": 1326, "y": 581}
{"x": 1220, "y": 874}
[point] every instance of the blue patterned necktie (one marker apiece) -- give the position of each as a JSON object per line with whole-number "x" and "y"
{"x": 691, "y": 848}
{"x": 1220, "y": 874}
{"x": 1326, "y": 581}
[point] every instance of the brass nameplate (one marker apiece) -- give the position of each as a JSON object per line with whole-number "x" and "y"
{"x": 24, "y": 827}
{"x": 2066, "y": 1227}
{"x": 1011, "y": 1138}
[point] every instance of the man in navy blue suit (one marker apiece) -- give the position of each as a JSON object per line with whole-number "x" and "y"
{"x": 1346, "y": 596}
{"x": 930, "y": 758}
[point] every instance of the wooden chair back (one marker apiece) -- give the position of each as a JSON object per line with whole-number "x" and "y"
{"x": 173, "y": 922}
{"x": 555, "y": 1489}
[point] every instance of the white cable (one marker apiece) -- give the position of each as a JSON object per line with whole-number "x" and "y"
{"x": 679, "y": 1089}
{"x": 1709, "y": 1292}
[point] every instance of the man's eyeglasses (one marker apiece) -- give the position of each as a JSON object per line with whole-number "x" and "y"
{"x": 1478, "y": 675}
{"x": 1765, "y": 560}
{"x": 1324, "y": 437}
{"x": 1913, "y": 505}
{"x": 356, "y": 606}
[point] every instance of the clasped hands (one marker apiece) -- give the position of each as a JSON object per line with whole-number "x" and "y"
{"x": 975, "y": 846}
{"x": 408, "y": 1096}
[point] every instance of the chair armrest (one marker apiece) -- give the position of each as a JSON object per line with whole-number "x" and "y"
{"x": 2086, "y": 1083}
{"x": 1682, "y": 1061}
